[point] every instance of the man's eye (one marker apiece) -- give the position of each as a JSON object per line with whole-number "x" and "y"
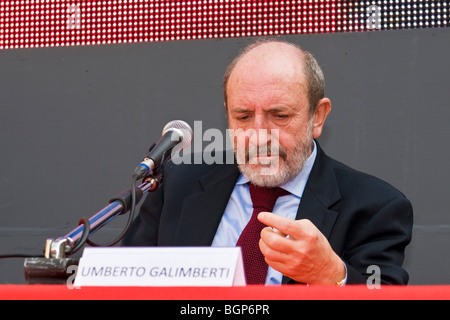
{"x": 242, "y": 118}
{"x": 281, "y": 116}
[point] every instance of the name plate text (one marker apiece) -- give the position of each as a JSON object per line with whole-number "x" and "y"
{"x": 160, "y": 266}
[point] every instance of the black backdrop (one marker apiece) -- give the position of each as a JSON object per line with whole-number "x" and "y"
{"x": 75, "y": 121}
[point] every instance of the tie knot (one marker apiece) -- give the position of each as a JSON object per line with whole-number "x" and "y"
{"x": 264, "y": 198}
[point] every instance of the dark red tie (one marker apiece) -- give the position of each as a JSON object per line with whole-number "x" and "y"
{"x": 263, "y": 200}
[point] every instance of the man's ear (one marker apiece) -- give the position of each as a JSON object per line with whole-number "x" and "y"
{"x": 320, "y": 115}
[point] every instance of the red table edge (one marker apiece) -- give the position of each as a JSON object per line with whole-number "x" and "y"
{"x": 251, "y": 292}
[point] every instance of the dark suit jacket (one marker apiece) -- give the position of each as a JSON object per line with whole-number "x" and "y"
{"x": 366, "y": 221}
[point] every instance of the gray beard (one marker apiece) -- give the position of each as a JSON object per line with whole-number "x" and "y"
{"x": 282, "y": 167}
{"x": 278, "y": 172}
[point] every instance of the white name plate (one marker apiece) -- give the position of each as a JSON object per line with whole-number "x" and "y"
{"x": 160, "y": 266}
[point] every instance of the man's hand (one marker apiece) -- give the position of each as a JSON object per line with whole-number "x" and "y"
{"x": 299, "y": 250}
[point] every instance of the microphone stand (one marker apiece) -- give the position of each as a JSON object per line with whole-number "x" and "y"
{"x": 53, "y": 268}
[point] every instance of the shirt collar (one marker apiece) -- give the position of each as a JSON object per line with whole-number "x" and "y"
{"x": 296, "y": 185}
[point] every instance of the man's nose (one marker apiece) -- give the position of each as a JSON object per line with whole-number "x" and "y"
{"x": 261, "y": 134}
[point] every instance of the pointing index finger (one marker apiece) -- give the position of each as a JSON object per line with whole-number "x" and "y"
{"x": 283, "y": 224}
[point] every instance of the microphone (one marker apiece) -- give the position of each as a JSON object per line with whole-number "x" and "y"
{"x": 175, "y": 133}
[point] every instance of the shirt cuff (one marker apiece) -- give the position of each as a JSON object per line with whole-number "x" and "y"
{"x": 345, "y": 279}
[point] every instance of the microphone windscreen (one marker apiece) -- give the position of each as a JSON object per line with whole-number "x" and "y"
{"x": 183, "y": 129}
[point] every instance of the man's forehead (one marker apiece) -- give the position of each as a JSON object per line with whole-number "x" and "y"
{"x": 272, "y": 62}
{"x": 273, "y": 51}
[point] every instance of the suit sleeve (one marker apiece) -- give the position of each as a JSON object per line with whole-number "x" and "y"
{"x": 380, "y": 242}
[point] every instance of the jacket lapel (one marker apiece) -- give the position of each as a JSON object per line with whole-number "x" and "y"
{"x": 320, "y": 194}
{"x": 202, "y": 212}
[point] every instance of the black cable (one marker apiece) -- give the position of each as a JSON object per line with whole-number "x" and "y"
{"x": 130, "y": 218}
{"x": 20, "y": 255}
{"x": 84, "y": 235}
{"x": 78, "y": 245}
{"x": 84, "y": 239}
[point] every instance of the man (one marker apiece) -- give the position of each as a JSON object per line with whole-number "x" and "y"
{"x": 329, "y": 226}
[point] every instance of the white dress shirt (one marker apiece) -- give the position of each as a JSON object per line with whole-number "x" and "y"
{"x": 240, "y": 208}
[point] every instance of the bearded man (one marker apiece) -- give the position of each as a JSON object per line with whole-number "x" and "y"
{"x": 299, "y": 215}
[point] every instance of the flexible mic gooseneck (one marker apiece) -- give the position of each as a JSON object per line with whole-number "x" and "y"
{"x": 176, "y": 136}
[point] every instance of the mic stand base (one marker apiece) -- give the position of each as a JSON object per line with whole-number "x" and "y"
{"x": 49, "y": 270}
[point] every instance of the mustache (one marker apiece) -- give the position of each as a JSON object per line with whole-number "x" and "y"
{"x": 265, "y": 150}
